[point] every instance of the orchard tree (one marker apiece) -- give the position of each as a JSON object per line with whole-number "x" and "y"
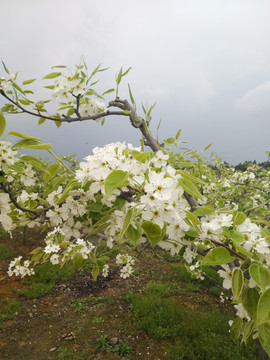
{"x": 128, "y": 198}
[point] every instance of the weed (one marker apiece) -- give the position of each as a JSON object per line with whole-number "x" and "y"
{"x": 9, "y": 308}
{"x": 97, "y": 320}
{"x": 123, "y": 349}
{"x": 80, "y": 305}
{"x": 5, "y": 253}
{"x": 36, "y": 290}
{"x": 162, "y": 318}
{"x": 103, "y": 343}
{"x": 64, "y": 353}
{"x": 157, "y": 288}
{"x": 47, "y": 273}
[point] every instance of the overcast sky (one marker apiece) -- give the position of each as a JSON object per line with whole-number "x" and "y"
{"x": 206, "y": 64}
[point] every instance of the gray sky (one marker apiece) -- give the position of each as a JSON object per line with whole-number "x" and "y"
{"x": 205, "y": 63}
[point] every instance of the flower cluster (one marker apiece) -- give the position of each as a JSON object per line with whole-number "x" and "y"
{"x": 126, "y": 261}
{"x": 18, "y": 269}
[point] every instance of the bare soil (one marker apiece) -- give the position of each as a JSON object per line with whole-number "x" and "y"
{"x": 48, "y": 327}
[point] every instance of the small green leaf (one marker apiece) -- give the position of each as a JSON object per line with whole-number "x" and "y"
{"x": 190, "y": 177}
{"x": 6, "y": 69}
{"x": 108, "y": 91}
{"x": 95, "y": 272}
{"x": 114, "y": 180}
{"x": 237, "y": 283}
{"x": 24, "y": 101}
{"x": 263, "y": 309}
{"x": 250, "y": 298}
{"x": 78, "y": 260}
{"x": 51, "y": 171}
{"x": 236, "y": 329}
{"x": 153, "y": 232}
{"x": 41, "y": 121}
{"x": 261, "y": 275}
{"x": 52, "y": 75}
{"x": 218, "y": 256}
{"x": 204, "y": 210}
{"x": 178, "y": 134}
{"x": 23, "y": 136}
{"x": 134, "y": 234}
{"x": 127, "y": 221}
{"x": 30, "y": 81}
{"x": 264, "y": 337}
{"x": 247, "y": 331}
{"x": 2, "y": 123}
{"x": 189, "y": 187}
{"x": 131, "y": 96}
{"x": 238, "y": 217}
{"x": 234, "y": 235}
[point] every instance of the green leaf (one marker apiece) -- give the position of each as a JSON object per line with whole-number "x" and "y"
{"x": 264, "y": 337}
{"x": 204, "y": 210}
{"x": 108, "y": 91}
{"x": 208, "y": 146}
{"x": 250, "y": 298}
{"x": 2, "y": 123}
{"x": 234, "y": 235}
{"x": 95, "y": 272}
{"x": 190, "y": 177}
{"x": 218, "y": 256}
{"x": 134, "y": 234}
{"x": 263, "y": 309}
{"x": 58, "y": 123}
{"x": 142, "y": 157}
{"x": 237, "y": 283}
{"x": 70, "y": 186}
{"x": 30, "y": 81}
{"x": 114, "y": 180}
{"x": 24, "y": 101}
{"x": 127, "y": 221}
{"x": 51, "y": 171}
{"x": 38, "y": 146}
{"x": 238, "y": 217}
{"x": 6, "y": 69}
{"x": 169, "y": 141}
{"x": 193, "y": 218}
{"x": 189, "y": 187}
{"x": 247, "y": 331}
{"x": 178, "y": 134}
{"x": 23, "y": 136}
{"x": 260, "y": 275}
{"x": 52, "y": 75}
{"x": 131, "y": 96}
{"x": 78, "y": 260}
{"x": 236, "y": 329}
{"x": 41, "y": 121}
{"x": 153, "y": 232}
{"x": 17, "y": 87}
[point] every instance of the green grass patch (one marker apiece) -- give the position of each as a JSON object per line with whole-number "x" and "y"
{"x": 36, "y": 290}
{"x": 45, "y": 278}
{"x": 8, "y": 308}
{"x": 197, "y": 334}
{"x": 5, "y": 253}
{"x": 47, "y": 273}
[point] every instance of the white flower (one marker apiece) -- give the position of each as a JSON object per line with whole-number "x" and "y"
{"x": 226, "y": 274}
{"x": 54, "y": 259}
{"x": 105, "y": 270}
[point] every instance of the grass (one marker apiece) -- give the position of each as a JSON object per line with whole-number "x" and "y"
{"x": 5, "y": 253}
{"x": 45, "y": 278}
{"x": 9, "y": 308}
{"x": 196, "y": 333}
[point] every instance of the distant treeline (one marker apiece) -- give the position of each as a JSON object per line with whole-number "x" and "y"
{"x": 243, "y": 166}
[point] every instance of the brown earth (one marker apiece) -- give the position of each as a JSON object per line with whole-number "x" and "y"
{"x": 48, "y": 327}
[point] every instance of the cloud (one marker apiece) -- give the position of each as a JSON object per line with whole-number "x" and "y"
{"x": 256, "y": 99}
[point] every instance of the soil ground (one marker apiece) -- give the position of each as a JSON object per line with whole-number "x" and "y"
{"x": 48, "y": 327}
